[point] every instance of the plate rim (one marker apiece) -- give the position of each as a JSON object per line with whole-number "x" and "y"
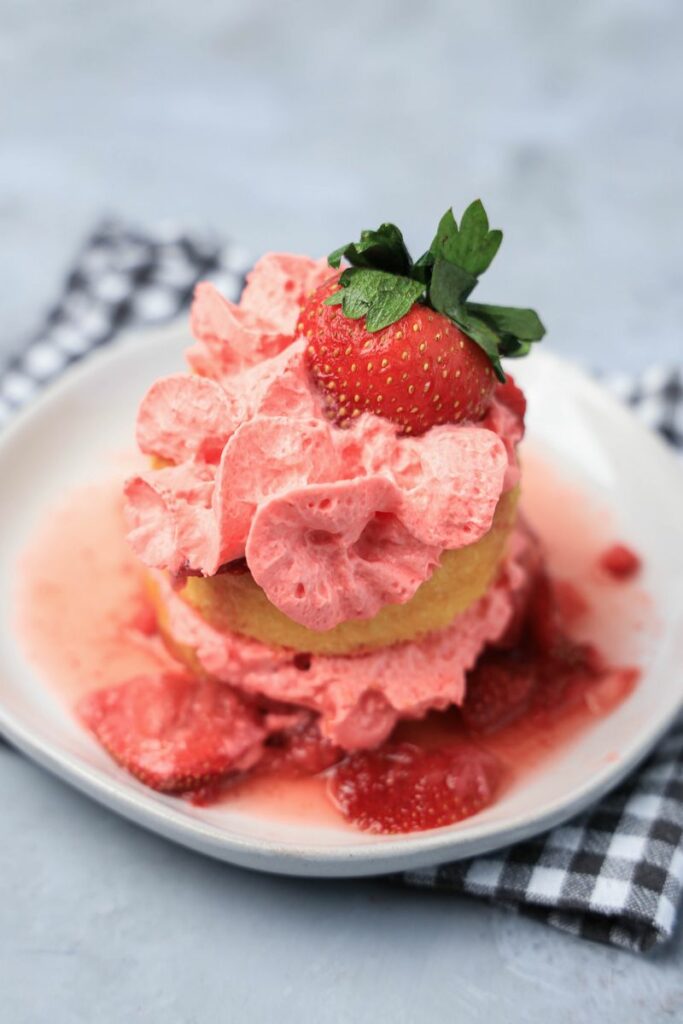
{"x": 289, "y": 857}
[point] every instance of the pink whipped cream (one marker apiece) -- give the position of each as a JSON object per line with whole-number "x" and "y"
{"x": 360, "y": 699}
{"x": 334, "y": 523}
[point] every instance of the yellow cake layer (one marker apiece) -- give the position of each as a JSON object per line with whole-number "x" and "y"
{"x": 236, "y": 603}
{"x": 183, "y": 652}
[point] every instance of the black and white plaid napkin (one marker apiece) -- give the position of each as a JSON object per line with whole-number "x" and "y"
{"x": 615, "y": 873}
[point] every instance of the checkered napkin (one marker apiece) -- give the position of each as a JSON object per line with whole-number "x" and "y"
{"x": 615, "y": 873}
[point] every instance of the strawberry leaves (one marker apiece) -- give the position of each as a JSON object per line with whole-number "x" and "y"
{"x": 383, "y": 283}
{"x": 471, "y": 246}
{"x": 380, "y": 297}
{"x": 383, "y": 249}
{"x": 523, "y": 324}
{"x": 459, "y": 255}
{"x": 449, "y": 285}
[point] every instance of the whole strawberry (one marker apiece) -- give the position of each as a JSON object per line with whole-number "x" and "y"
{"x": 417, "y": 372}
{"x": 401, "y": 339}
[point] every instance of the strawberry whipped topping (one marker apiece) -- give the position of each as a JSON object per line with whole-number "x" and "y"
{"x": 334, "y": 523}
{"x": 360, "y": 699}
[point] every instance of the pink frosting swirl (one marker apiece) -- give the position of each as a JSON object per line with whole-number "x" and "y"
{"x": 334, "y": 523}
{"x": 360, "y": 699}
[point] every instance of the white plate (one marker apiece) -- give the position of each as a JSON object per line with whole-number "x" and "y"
{"x": 59, "y": 443}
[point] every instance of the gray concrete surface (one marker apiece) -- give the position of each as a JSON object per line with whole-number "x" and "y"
{"x": 291, "y": 126}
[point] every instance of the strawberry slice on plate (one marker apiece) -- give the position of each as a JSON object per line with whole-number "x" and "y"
{"x": 499, "y": 690}
{"x": 300, "y": 748}
{"x": 402, "y": 788}
{"x": 175, "y": 733}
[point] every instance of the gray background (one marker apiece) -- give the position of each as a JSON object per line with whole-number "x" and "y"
{"x": 291, "y": 126}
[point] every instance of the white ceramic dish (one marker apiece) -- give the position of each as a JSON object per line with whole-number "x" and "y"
{"x": 59, "y": 443}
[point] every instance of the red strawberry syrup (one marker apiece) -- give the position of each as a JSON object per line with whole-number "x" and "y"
{"x": 86, "y": 624}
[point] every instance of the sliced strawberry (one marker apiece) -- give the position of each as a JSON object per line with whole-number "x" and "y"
{"x": 175, "y": 733}
{"x": 418, "y": 372}
{"x": 611, "y": 689}
{"x": 563, "y": 675}
{"x": 620, "y": 562}
{"x": 500, "y": 690}
{"x": 571, "y": 603}
{"x": 402, "y": 788}
{"x": 301, "y": 748}
{"x": 544, "y": 672}
{"x": 545, "y": 623}
{"x": 563, "y": 665}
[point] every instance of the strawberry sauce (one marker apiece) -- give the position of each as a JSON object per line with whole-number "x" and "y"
{"x": 83, "y": 615}
{"x": 86, "y": 624}
{"x": 620, "y": 562}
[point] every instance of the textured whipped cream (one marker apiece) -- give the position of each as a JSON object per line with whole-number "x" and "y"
{"x": 334, "y": 523}
{"x": 359, "y": 699}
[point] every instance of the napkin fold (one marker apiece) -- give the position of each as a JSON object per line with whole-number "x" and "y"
{"x": 614, "y": 874}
